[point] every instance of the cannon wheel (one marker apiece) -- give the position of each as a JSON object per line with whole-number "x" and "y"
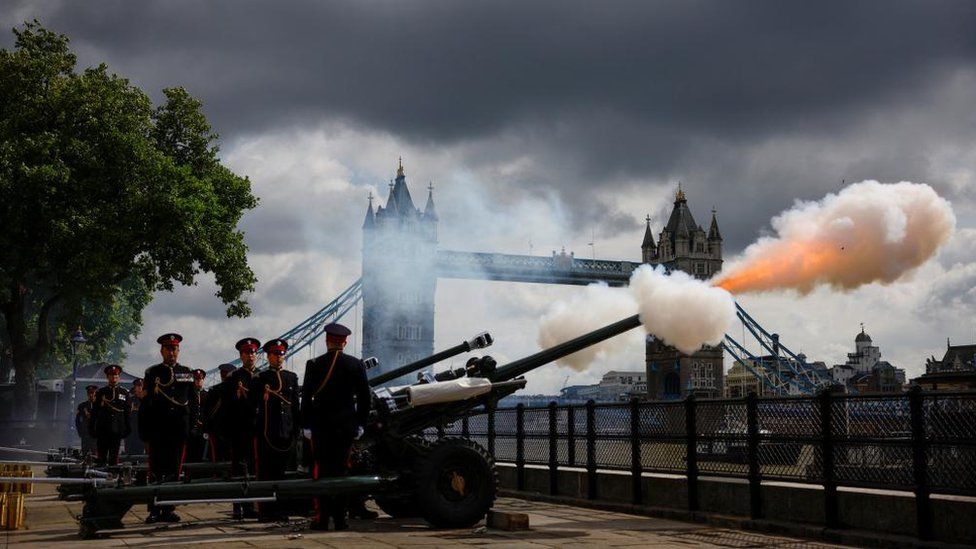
{"x": 456, "y": 483}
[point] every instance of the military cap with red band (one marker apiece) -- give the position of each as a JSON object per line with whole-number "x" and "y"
{"x": 198, "y": 374}
{"x": 170, "y": 340}
{"x": 112, "y": 369}
{"x": 276, "y": 346}
{"x": 248, "y": 344}
{"x": 91, "y": 388}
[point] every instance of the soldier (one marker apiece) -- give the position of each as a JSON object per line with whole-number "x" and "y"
{"x": 335, "y": 407}
{"x": 133, "y": 444}
{"x": 165, "y": 417}
{"x": 83, "y": 421}
{"x": 215, "y": 417}
{"x": 110, "y": 417}
{"x": 240, "y": 430}
{"x": 196, "y": 444}
{"x": 274, "y": 394}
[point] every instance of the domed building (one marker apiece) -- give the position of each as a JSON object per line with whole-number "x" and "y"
{"x": 864, "y": 370}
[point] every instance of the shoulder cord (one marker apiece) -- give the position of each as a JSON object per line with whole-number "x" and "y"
{"x": 158, "y": 387}
{"x": 110, "y": 401}
{"x": 276, "y": 392}
{"x": 242, "y": 390}
{"x": 328, "y": 376}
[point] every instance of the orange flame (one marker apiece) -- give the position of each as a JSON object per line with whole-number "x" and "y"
{"x": 797, "y": 265}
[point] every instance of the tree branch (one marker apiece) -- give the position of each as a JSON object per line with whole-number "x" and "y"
{"x": 43, "y": 330}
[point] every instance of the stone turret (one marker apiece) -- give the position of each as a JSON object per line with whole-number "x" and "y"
{"x": 714, "y": 239}
{"x": 648, "y": 248}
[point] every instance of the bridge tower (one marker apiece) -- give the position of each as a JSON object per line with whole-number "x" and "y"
{"x": 684, "y": 246}
{"x": 399, "y": 277}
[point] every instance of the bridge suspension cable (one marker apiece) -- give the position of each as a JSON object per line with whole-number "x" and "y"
{"x": 306, "y": 332}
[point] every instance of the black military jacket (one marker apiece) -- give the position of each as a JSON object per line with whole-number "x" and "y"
{"x": 341, "y": 402}
{"x": 83, "y": 419}
{"x": 170, "y": 407}
{"x": 239, "y": 407}
{"x": 110, "y": 416}
{"x": 210, "y": 406}
{"x": 274, "y": 395}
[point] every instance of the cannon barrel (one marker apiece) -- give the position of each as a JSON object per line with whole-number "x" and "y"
{"x": 187, "y": 493}
{"x": 480, "y": 341}
{"x": 524, "y": 365}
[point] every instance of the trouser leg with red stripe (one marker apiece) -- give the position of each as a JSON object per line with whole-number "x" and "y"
{"x": 166, "y": 457}
{"x": 331, "y": 454}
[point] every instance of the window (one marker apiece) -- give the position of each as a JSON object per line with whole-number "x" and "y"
{"x": 410, "y": 332}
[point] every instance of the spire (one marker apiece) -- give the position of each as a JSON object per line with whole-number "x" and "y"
{"x": 429, "y": 211}
{"x": 400, "y": 167}
{"x": 370, "y": 219}
{"x": 713, "y": 233}
{"x": 648, "y": 237}
{"x": 680, "y": 195}
{"x": 391, "y": 199}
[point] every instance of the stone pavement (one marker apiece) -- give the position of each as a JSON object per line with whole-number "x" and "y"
{"x": 51, "y": 522}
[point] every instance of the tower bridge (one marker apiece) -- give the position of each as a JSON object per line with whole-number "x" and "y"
{"x": 401, "y": 264}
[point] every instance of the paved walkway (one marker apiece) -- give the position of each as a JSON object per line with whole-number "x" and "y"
{"x": 51, "y": 522}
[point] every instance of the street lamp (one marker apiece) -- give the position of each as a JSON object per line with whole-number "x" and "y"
{"x": 77, "y": 343}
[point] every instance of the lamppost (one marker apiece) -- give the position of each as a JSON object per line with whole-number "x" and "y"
{"x": 77, "y": 343}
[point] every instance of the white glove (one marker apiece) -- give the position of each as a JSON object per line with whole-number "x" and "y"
{"x": 307, "y": 433}
{"x": 359, "y": 433}
{"x": 206, "y": 436}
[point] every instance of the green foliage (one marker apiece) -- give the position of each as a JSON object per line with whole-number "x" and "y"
{"x": 105, "y": 199}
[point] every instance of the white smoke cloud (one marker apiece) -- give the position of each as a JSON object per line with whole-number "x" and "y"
{"x": 868, "y": 232}
{"x": 681, "y": 310}
{"x": 596, "y": 306}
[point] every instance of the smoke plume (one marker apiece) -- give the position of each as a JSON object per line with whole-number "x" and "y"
{"x": 868, "y": 232}
{"x": 595, "y": 307}
{"x": 681, "y": 310}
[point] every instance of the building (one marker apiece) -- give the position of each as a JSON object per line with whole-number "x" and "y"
{"x": 864, "y": 370}
{"x": 739, "y": 382}
{"x": 398, "y": 286}
{"x": 683, "y": 245}
{"x": 955, "y": 372}
{"x": 615, "y": 386}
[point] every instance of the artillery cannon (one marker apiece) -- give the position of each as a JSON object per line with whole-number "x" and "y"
{"x": 450, "y": 482}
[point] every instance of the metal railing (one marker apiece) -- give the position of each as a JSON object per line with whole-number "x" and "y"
{"x": 919, "y": 442}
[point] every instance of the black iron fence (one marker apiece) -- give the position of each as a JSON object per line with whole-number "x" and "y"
{"x": 914, "y": 441}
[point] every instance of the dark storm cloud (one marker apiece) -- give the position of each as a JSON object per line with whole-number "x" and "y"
{"x": 602, "y": 93}
{"x": 450, "y": 70}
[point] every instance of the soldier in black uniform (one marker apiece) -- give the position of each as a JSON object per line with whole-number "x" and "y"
{"x": 83, "y": 421}
{"x": 240, "y": 430}
{"x": 335, "y": 407}
{"x": 110, "y": 417}
{"x": 274, "y": 394}
{"x": 133, "y": 444}
{"x": 215, "y": 419}
{"x": 196, "y": 444}
{"x": 167, "y": 413}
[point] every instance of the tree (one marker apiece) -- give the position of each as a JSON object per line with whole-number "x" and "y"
{"x": 102, "y": 190}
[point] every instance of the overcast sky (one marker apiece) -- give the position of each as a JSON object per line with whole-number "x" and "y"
{"x": 550, "y": 124}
